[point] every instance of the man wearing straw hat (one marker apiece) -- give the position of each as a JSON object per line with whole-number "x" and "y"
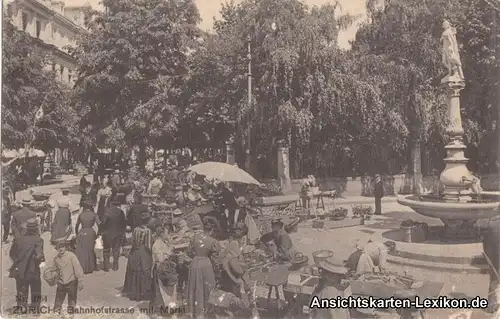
{"x": 20, "y": 218}
{"x": 330, "y": 287}
{"x": 27, "y": 255}
{"x": 491, "y": 247}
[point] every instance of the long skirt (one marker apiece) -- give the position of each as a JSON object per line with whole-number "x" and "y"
{"x": 201, "y": 281}
{"x": 162, "y": 296}
{"x": 85, "y": 243}
{"x": 61, "y": 227}
{"x": 138, "y": 285}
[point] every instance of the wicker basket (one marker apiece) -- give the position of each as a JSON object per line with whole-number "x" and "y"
{"x": 41, "y": 197}
{"x": 321, "y": 255}
{"x": 50, "y": 275}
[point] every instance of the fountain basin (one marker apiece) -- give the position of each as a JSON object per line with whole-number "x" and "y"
{"x": 487, "y": 207}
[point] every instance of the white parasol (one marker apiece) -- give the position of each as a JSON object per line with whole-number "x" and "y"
{"x": 223, "y": 172}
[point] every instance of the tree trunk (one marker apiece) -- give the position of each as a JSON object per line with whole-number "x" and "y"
{"x": 416, "y": 167}
{"x": 142, "y": 157}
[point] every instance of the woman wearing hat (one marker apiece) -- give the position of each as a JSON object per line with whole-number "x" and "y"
{"x": 330, "y": 287}
{"x": 62, "y": 224}
{"x": 138, "y": 284}
{"x": 103, "y": 199}
{"x": 233, "y": 264}
{"x": 164, "y": 271}
{"x": 85, "y": 239}
{"x": 201, "y": 278}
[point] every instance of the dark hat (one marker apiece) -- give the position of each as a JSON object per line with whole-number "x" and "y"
{"x": 196, "y": 188}
{"x": 177, "y": 212}
{"x": 115, "y": 202}
{"x": 276, "y": 222}
{"x": 333, "y": 267}
{"x": 31, "y": 223}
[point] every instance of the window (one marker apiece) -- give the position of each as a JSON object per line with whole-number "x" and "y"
{"x": 54, "y": 32}
{"x": 53, "y": 67}
{"x": 38, "y": 28}
{"x": 24, "y": 20}
{"x": 69, "y": 76}
{"x": 62, "y": 71}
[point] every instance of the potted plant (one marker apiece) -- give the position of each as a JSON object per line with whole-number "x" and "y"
{"x": 361, "y": 211}
{"x": 338, "y": 213}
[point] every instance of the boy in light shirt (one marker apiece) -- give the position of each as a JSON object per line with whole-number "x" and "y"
{"x": 70, "y": 276}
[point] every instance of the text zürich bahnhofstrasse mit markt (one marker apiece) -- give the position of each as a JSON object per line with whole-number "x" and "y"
{"x": 385, "y": 303}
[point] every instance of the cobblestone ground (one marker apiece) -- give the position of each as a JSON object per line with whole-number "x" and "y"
{"x": 103, "y": 288}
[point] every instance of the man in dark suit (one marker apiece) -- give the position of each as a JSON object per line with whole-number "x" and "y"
{"x": 379, "y": 193}
{"x": 6, "y": 214}
{"x": 20, "y": 217}
{"x": 491, "y": 247}
{"x": 113, "y": 232}
{"x": 27, "y": 255}
{"x": 135, "y": 212}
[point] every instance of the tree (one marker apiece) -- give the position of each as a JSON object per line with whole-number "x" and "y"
{"x": 26, "y": 87}
{"x": 303, "y": 91}
{"x": 132, "y": 69}
{"x": 403, "y": 39}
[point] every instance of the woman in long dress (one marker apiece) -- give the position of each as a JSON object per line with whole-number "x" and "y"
{"x": 234, "y": 274}
{"x": 103, "y": 199}
{"x": 61, "y": 226}
{"x": 164, "y": 271}
{"x": 138, "y": 283}
{"x": 85, "y": 239}
{"x": 201, "y": 278}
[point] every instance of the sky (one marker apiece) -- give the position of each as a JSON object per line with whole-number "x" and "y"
{"x": 210, "y": 9}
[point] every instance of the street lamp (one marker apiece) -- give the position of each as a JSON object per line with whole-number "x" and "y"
{"x": 248, "y": 161}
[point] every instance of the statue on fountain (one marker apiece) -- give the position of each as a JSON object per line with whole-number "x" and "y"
{"x": 451, "y": 56}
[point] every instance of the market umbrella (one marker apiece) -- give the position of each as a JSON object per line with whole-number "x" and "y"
{"x": 32, "y": 152}
{"x": 223, "y": 172}
{"x": 9, "y": 154}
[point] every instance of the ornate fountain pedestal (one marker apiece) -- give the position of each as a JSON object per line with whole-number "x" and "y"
{"x": 458, "y": 208}
{"x": 456, "y": 171}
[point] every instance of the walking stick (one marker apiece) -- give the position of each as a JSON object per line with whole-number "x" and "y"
{"x": 488, "y": 260}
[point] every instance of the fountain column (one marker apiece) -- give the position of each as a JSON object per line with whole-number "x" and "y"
{"x": 230, "y": 158}
{"x": 456, "y": 169}
{"x": 284, "y": 167}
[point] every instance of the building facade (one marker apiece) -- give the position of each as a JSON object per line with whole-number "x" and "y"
{"x": 56, "y": 26}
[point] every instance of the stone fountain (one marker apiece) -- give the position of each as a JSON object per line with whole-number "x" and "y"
{"x": 460, "y": 205}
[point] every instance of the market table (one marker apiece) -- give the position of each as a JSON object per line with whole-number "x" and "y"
{"x": 302, "y": 287}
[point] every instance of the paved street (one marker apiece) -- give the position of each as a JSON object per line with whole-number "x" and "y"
{"x": 103, "y": 289}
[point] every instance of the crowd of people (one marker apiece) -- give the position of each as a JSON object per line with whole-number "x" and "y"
{"x": 115, "y": 209}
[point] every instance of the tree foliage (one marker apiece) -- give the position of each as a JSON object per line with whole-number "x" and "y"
{"x": 27, "y": 85}
{"x": 147, "y": 75}
{"x": 132, "y": 68}
{"x": 403, "y": 39}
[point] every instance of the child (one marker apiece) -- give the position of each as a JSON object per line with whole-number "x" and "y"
{"x": 70, "y": 275}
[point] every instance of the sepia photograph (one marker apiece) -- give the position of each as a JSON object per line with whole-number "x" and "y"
{"x": 210, "y": 159}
